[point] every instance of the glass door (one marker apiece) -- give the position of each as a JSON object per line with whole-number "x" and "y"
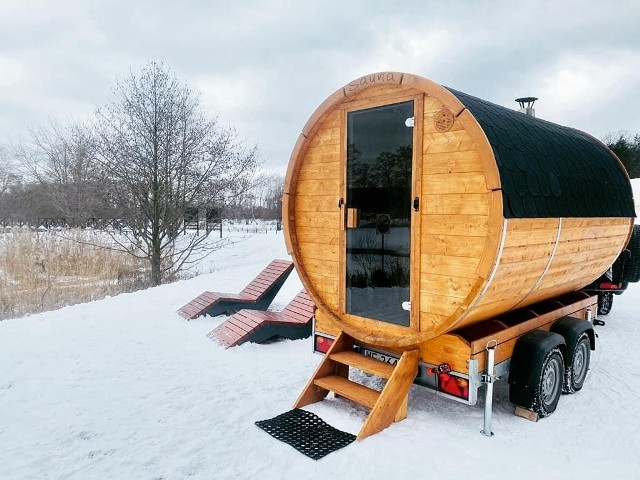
{"x": 379, "y": 164}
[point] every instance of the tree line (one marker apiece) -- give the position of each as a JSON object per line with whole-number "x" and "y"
{"x": 627, "y": 148}
{"x": 146, "y": 157}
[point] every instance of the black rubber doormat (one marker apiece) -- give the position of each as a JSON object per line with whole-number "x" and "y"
{"x": 306, "y": 432}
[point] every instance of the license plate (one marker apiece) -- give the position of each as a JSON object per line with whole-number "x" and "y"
{"x": 379, "y": 356}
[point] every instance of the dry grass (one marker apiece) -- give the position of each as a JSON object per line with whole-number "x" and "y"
{"x": 46, "y": 270}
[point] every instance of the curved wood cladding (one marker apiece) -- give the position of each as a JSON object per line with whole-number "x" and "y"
{"x": 468, "y": 263}
{"x": 544, "y": 258}
{"x": 312, "y": 216}
{"x": 461, "y": 219}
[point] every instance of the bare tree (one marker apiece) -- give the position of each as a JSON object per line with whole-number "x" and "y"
{"x": 267, "y": 195}
{"x": 162, "y": 156}
{"x": 7, "y": 176}
{"x": 10, "y": 188}
{"x": 273, "y": 194}
{"x": 61, "y": 160}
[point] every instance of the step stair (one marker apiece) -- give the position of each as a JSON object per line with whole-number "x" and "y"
{"x": 346, "y": 388}
{"x": 366, "y": 364}
{"x": 386, "y": 406}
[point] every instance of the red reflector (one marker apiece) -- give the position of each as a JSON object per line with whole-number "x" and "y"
{"x": 323, "y": 344}
{"x": 609, "y": 286}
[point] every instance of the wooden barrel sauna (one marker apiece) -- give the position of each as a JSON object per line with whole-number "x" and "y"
{"x": 401, "y": 190}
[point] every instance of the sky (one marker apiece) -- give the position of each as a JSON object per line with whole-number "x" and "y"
{"x": 264, "y": 66}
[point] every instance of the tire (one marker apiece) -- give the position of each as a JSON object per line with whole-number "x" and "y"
{"x": 576, "y": 371}
{"x": 550, "y": 384}
{"x": 605, "y": 302}
{"x": 632, "y": 268}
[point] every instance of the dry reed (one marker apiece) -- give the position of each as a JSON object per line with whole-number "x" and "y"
{"x": 42, "y": 271}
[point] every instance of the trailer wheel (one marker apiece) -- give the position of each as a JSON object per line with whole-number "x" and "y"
{"x": 605, "y": 302}
{"x": 550, "y": 384}
{"x": 576, "y": 372}
{"x": 632, "y": 270}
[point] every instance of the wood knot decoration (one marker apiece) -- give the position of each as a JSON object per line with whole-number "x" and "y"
{"x": 444, "y": 120}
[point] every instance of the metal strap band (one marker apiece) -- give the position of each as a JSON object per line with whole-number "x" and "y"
{"x": 546, "y": 269}
{"x": 503, "y": 237}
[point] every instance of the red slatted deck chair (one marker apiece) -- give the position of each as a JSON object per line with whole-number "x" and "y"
{"x": 258, "y": 294}
{"x": 293, "y": 322}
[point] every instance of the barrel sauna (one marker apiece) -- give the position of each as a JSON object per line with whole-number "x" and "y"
{"x": 412, "y": 209}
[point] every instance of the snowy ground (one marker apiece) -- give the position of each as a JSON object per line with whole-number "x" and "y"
{"x": 123, "y": 388}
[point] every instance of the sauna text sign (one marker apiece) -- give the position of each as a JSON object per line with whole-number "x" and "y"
{"x": 373, "y": 79}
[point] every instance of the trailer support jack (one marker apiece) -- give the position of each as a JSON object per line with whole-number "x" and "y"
{"x": 488, "y": 380}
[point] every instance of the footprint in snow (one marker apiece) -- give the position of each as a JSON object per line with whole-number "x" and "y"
{"x": 87, "y": 435}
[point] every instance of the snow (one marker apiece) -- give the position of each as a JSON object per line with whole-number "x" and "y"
{"x": 124, "y": 388}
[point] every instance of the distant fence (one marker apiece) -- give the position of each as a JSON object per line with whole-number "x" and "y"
{"x": 51, "y": 223}
{"x": 206, "y": 227}
{"x": 230, "y": 227}
{"x": 253, "y": 227}
{"x": 120, "y": 224}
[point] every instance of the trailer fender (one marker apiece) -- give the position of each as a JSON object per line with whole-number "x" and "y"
{"x": 527, "y": 363}
{"x": 571, "y": 328}
{"x": 573, "y": 331}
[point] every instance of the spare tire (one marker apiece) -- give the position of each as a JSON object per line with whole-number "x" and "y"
{"x": 632, "y": 267}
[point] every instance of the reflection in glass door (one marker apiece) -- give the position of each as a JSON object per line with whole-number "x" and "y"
{"x": 379, "y": 159}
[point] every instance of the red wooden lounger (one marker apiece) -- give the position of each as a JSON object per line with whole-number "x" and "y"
{"x": 258, "y": 294}
{"x": 293, "y": 322}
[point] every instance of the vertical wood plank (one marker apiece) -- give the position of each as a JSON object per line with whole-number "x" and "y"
{"x": 416, "y": 216}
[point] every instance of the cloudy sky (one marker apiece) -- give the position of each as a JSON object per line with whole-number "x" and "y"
{"x": 264, "y": 66}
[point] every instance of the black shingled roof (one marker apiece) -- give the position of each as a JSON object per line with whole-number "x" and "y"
{"x": 548, "y": 170}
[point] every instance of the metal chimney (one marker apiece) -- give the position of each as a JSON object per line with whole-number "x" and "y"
{"x": 526, "y": 105}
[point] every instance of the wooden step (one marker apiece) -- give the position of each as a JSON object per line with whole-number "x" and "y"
{"x": 353, "y": 391}
{"x": 388, "y": 406}
{"x": 393, "y": 401}
{"x": 366, "y": 364}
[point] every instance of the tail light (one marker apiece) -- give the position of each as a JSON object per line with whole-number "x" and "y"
{"x": 322, "y": 344}
{"x": 456, "y": 386}
{"x": 448, "y": 383}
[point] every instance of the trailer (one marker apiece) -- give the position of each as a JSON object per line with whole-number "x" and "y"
{"x": 451, "y": 242}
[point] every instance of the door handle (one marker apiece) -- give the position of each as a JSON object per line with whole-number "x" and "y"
{"x": 353, "y": 217}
